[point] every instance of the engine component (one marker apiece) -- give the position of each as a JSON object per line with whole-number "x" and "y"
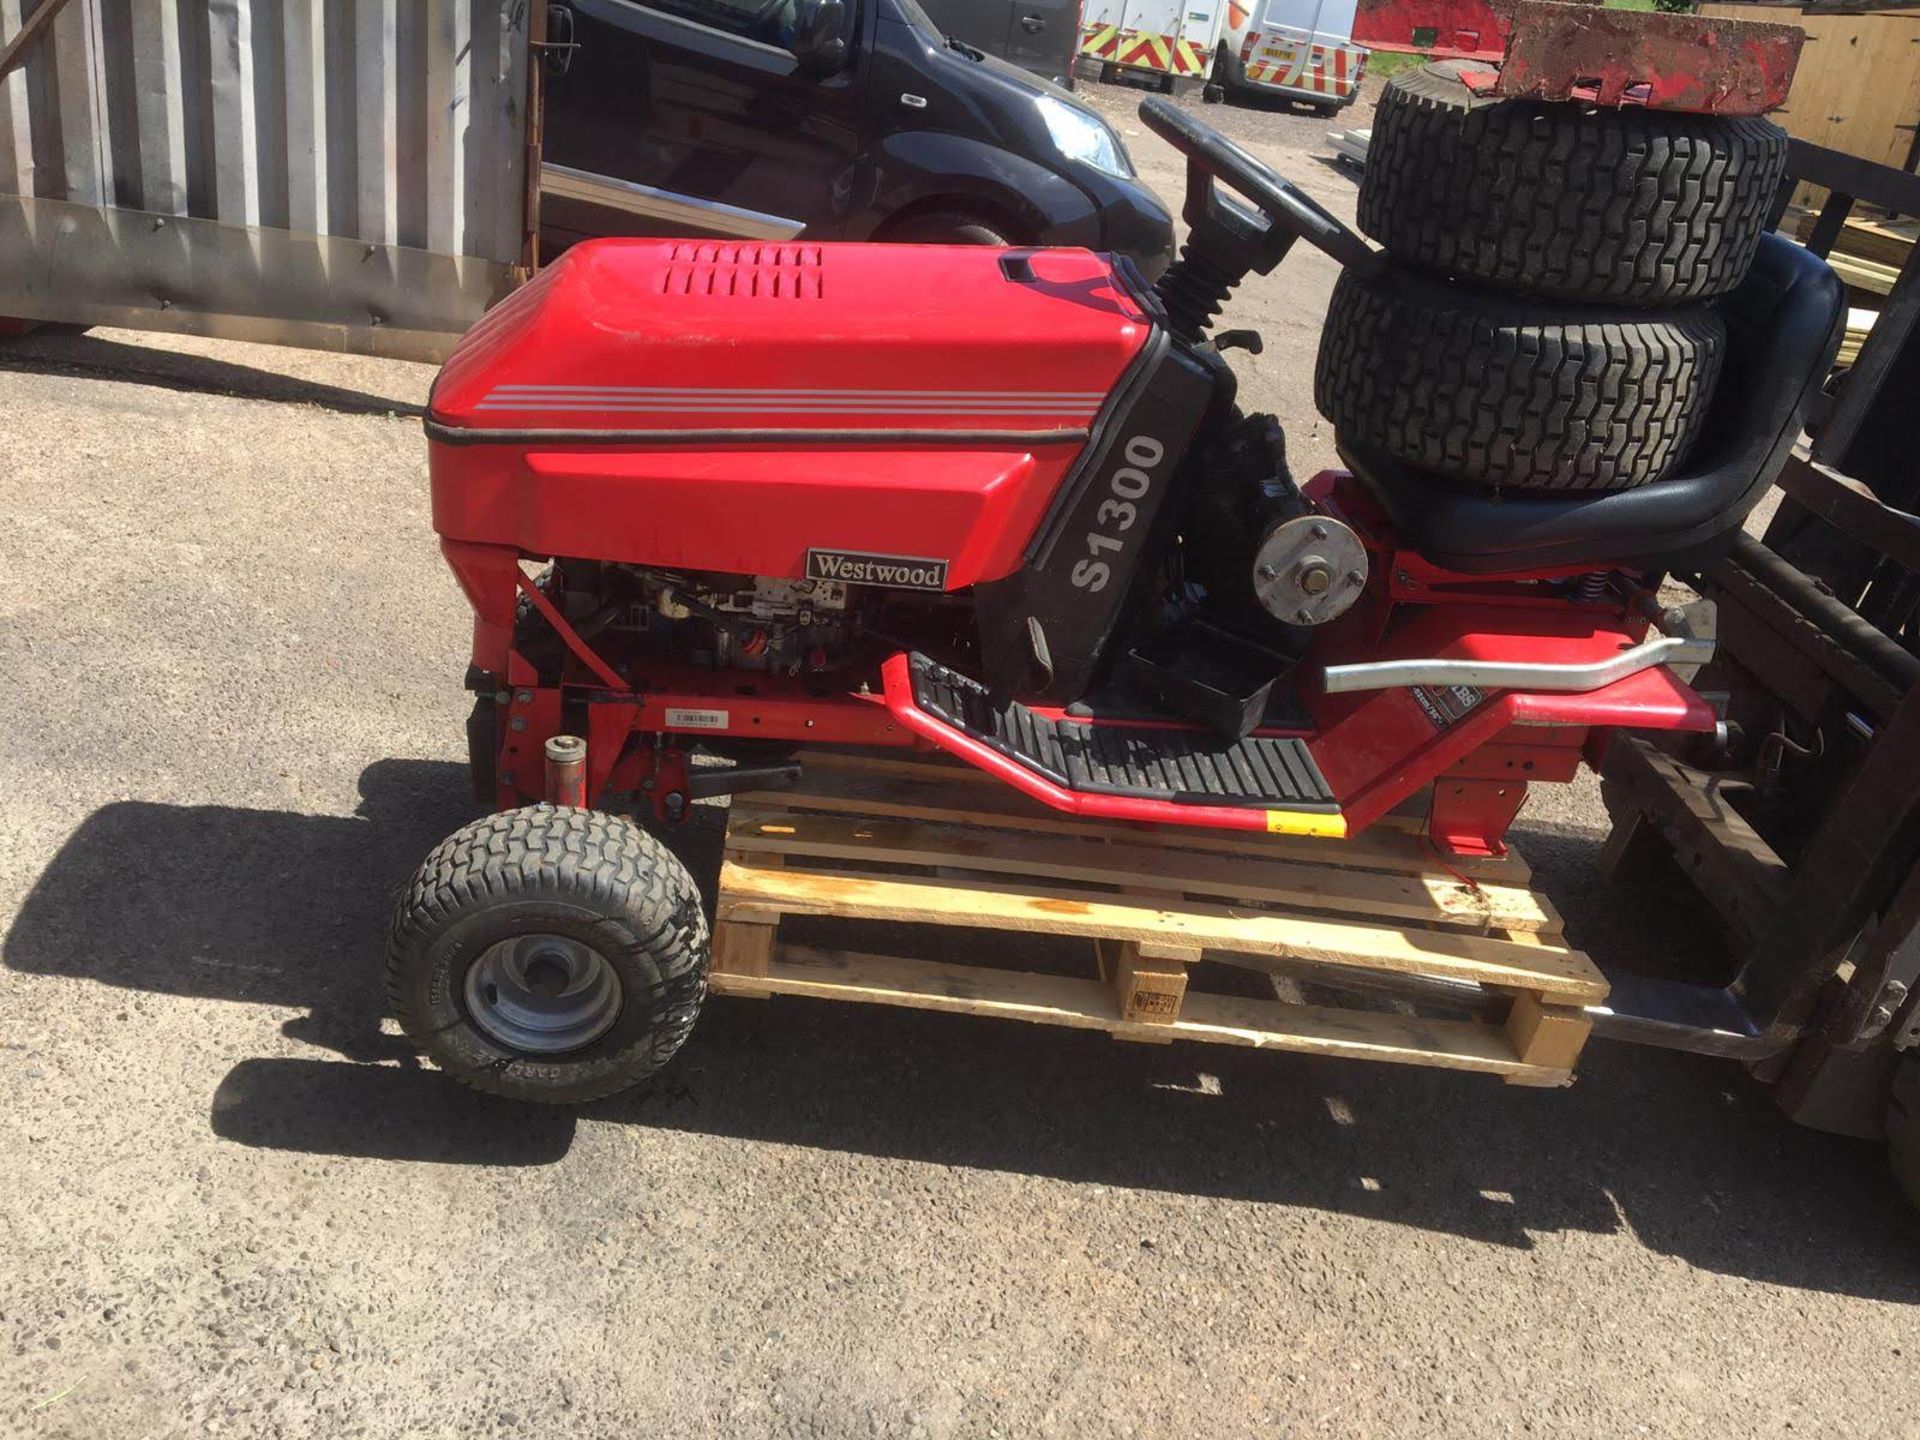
{"x": 1309, "y": 570}
{"x": 753, "y": 622}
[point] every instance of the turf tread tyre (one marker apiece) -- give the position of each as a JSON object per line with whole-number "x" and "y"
{"x": 1514, "y": 394}
{"x": 602, "y": 878}
{"x": 1631, "y": 206}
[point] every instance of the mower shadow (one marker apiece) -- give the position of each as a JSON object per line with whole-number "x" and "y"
{"x": 290, "y": 910}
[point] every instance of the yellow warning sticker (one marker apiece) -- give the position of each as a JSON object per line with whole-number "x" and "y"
{"x": 1305, "y": 822}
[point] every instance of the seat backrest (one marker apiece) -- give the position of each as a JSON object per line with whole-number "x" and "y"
{"x": 1784, "y": 326}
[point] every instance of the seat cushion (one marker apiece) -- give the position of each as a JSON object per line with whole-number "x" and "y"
{"x": 1784, "y": 327}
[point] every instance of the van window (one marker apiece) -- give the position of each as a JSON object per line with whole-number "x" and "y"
{"x": 771, "y": 22}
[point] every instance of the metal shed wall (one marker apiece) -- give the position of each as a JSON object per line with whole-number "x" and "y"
{"x": 348, "y": 174}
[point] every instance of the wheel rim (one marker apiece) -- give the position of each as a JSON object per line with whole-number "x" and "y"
{"x": 542, "y": 994}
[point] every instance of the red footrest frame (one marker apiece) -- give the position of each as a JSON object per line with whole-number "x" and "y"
{"x": 897, "y": 677}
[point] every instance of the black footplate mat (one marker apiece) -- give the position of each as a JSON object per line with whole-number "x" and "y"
{"x": 1189, "y": 767}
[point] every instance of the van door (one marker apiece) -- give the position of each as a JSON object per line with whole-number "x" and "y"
{"x": 692, "y": 117}
{"x": 1042, "y": 36}
{"x": 1304, "y": 48}
{"x": 1201, "y": 24}
{"x": 1286, "y": 30}
{"x": 980, "y": 23}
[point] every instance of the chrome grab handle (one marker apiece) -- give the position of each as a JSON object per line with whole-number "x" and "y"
{"x": 1507, "y": 675}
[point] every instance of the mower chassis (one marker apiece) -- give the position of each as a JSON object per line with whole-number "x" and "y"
{"x": 894, "y": 839}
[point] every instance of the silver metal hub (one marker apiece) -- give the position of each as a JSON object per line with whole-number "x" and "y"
{"x": 1309, "y": 570}
{"x": 542, "y": 994}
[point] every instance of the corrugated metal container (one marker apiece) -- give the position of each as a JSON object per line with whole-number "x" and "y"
{"x": 345, "y": 174}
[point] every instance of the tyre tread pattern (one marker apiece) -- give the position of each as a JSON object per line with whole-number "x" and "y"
{"x": 589, "y": 858}
{"x": 1511, "y": 394}
{"x": 1632, "y": 206}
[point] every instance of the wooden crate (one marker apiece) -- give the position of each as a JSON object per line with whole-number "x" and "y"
{"x": 904, "y": 840}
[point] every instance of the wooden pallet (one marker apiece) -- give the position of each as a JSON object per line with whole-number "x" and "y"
{"x": 904, "y": 840}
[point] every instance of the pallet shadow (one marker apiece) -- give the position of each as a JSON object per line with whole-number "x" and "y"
{"x": 1680, "y": 1149}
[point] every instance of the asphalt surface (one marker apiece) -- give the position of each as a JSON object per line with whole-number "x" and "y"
{"x": 232, "y": 1204}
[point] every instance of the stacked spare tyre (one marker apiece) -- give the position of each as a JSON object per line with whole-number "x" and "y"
{"x": 1547, "y": 316}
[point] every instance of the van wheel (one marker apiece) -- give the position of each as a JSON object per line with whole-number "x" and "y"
{"x": 946, "y": 227}
{"x": 1222, "y": 73}
{"x": 1213, "y": 92}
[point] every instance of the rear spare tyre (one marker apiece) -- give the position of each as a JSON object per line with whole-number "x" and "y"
{"x": 1513, "y": 394}
{"x": 550, "y": 955}
{"x": 1633, "y": 206}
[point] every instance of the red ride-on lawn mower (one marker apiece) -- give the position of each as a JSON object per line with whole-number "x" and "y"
{"x": 1000, "y": 504}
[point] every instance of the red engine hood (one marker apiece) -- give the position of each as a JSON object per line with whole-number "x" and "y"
{"x": 652, "y": 335}
{"x": 736, "y": 406}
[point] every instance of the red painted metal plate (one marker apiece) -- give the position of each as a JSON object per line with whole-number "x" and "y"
{"x": 1444, "y": 29}
{"x": 1588, "y": 54}
{"x": 1690, "y": 63}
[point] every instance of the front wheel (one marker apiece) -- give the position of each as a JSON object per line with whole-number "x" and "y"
{"x": 547, "y": 954}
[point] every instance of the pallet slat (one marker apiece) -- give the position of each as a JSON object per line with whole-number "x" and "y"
{"x": 762, "y": 895}
{"x": 898, "y": 838}
{"x": 1088, "y": 1005}
{"x": 1433, "y": 897}
{"x": 939, "y": 794}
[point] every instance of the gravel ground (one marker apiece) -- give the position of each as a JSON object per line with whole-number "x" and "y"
{"x": 233, "y": 1205}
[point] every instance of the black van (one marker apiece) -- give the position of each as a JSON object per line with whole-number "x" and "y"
{"x": 828, "y": 119}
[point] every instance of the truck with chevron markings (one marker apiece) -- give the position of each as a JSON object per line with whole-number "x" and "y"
{"x": 1168, "y": 42}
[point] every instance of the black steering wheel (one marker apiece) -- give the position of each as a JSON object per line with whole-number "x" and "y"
{"x": 1226, "y": 232}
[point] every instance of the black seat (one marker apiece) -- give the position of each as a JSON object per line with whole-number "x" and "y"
{"x": 1783, "y": 328}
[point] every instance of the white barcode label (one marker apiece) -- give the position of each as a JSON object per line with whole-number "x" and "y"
{"x": 696, "y": 719}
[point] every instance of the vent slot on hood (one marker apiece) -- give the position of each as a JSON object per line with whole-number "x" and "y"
{"x": 743, "y": 271}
